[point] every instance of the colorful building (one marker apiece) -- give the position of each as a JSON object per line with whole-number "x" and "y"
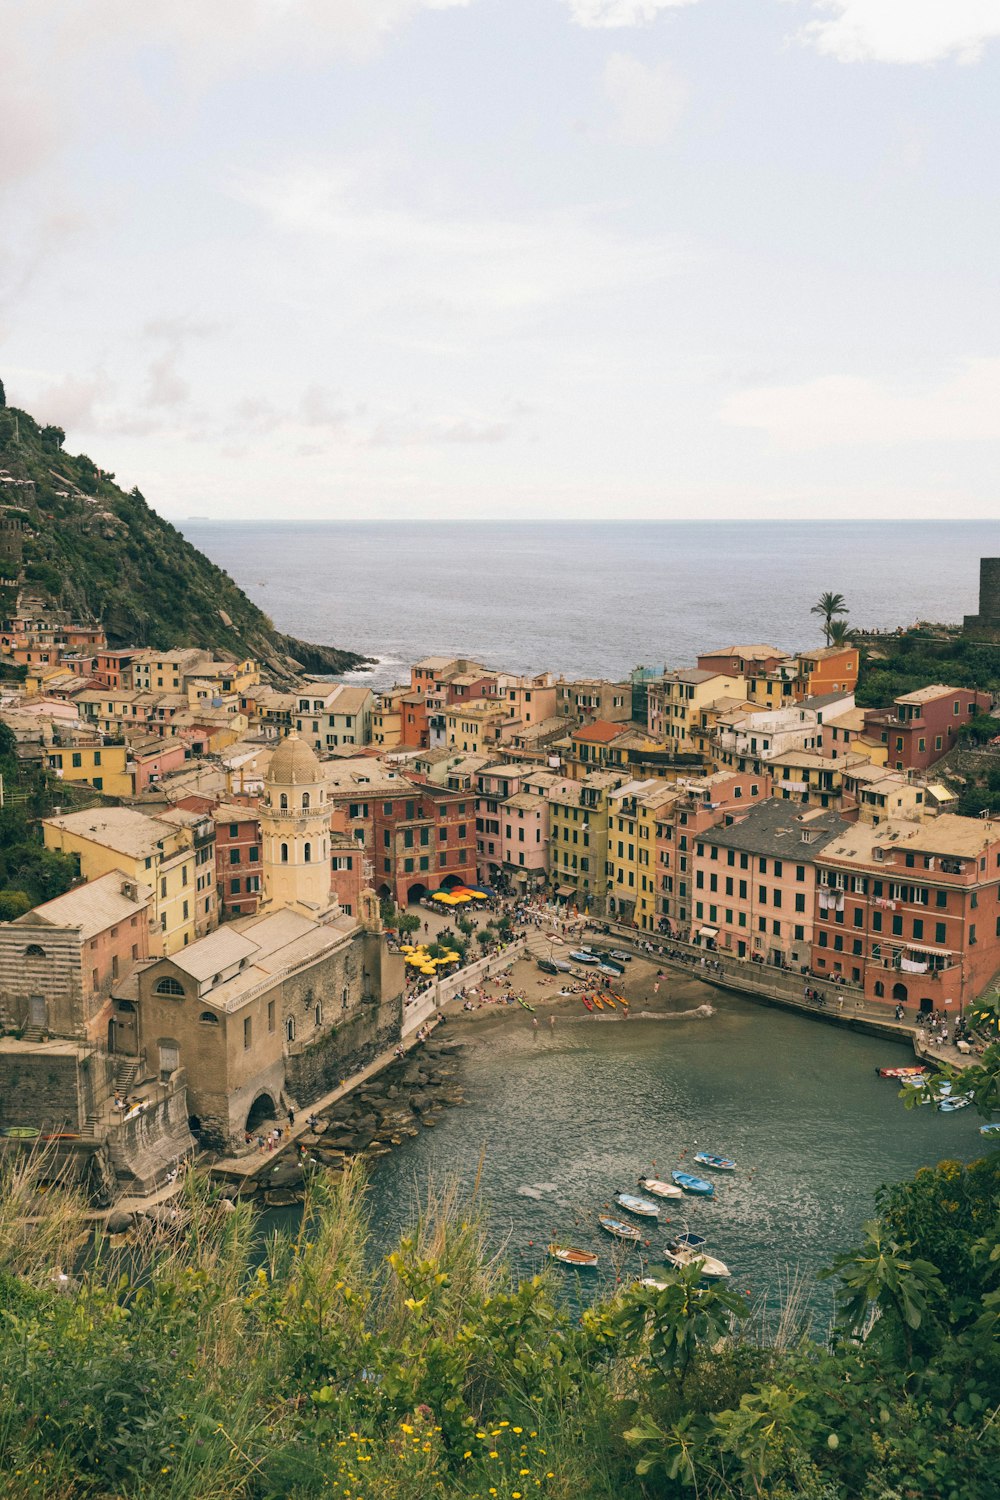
{"x": 923, "y": 726}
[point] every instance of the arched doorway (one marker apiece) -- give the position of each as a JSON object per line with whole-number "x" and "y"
{"x": 122, "y": 1030}
{"x": 416, "y": 893}
{"x": 899, "y": 993}
{"x": 384, "y": 892}
{"x": 263, "y": 1108}
{"x": 449, "y": 882}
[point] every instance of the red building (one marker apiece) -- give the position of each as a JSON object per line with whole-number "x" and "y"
{"x": 416, "y": 837}
{"x": 911, "y": 911}
{"x": 237, "y": 859}
{"x": 113, "y": 669}
{"x": 920, "y": 727}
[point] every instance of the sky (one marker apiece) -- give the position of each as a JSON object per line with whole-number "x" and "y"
{"x": 518, "y": 259}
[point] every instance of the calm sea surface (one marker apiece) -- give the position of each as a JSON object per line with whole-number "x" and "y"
{"x": 564, "y": 1120}
{"x": 593, "y": 599}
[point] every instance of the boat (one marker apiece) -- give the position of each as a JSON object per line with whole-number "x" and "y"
{"x": 582, "y": 1259}
{"x": 652, "y": 1283}
{"x": 587, "y": 1001}
{"x": 608, "y": 1001}
{"x": 598, "y": 1002}
{"x": 524, "y": 1004}
{"x": 687, "y": 1242}
{"x": 708, "y": 1266}
{"x": 581, "y": 956}
{"x": 618, "y": 1228}
{"x": 640, "y": 1206}
{"x": 659, "y": 1188}
{"x": 718, "y": 1163}
{"x": 993, "y": 1129}
{"x": 956, "y": 1101}
{"x": 692, "y": 1184}
{"x": 913, "y": 1072}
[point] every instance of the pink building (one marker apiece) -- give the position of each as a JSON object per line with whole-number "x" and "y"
{"x": 154, "y": 759}
{"x": 524, "y": 837}
{"x": 702, "y": 803}
{"x": 755, "y": 882}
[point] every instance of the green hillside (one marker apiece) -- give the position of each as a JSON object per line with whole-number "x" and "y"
{"x": 99, "y": 554}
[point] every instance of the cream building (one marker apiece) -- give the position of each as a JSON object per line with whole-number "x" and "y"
{"x": 295, "y": 831}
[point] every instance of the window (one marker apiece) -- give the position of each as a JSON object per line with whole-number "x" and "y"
{"x": 234, "y": 856}
{"x": 247, "y": 1033}
{"x": 918, "y": 928}
{"x": 208, "y": 1019}
{"x": 897, "y": 927}
{"x": 253, "y": 855}
{"x": 34, "y": 950}
{"x": 234, "y": 830}
{"x": 284, "y": 854}
{"x": 170, "y": 986}
{"x": 290, "y": 1029}
{"x": 306, "y": 801}
{"x": 234, "y": 887}
{"x": 283, "y": 802}
{"x": 308, "y": 853}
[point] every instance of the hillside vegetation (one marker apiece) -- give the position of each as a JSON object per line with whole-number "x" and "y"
{"x": 99, "y": 554}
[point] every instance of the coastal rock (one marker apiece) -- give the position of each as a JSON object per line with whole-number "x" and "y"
{"x": 118, "y": 1222}
{"x": 280, "y": 1197}
{"x": 286, "y": 1174}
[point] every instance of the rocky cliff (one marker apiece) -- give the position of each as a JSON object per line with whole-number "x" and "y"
{"x": 72, "y": 541}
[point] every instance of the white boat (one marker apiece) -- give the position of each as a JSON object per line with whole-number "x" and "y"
{"x": 653, "y": 1284}
{"x": 659, "y": 1188}
{"x": 712, "y": 1269}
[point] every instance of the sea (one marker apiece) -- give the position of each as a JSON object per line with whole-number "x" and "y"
{"x": 590, "y": 599}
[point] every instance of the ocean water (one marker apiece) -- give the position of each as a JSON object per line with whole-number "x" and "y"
{"x": 591, "y": 599}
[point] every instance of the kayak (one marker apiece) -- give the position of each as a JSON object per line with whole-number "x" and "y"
{"x": 708, "y": 1266}
{"x": 640, "y": 1206}
{"x": 570, "y": 1257}
{"x": 692, "y": 1184}
{"x": 608, "y": 1001}
{"x": 719, "y": 1163}
{"x": 598, "y": 1002}
{"x": 913, "y": 1072}
{"x": 659, "y": 1188}
{"x": 619, "y": 1229}
{"x": 587, "y": 1001}
{"x": 525, "y": 1006}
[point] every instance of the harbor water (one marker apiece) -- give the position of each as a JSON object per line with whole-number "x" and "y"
{"x": 558, "y": 1121}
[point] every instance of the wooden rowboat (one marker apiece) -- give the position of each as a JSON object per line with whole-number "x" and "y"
{"x": 659, "y": 1188}
{"x": 692, "y": 1184}
{"x": 717, "y": 1163}
{"x": 640, "y": 1206}
{"x": 618, "y": 1228}
{"x": 583, "y": 1259}
{"x": 708, "y": 1266}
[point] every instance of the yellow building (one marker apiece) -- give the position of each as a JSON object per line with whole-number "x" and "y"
{"x": 387, "y": 718}
{"x": 474, "y": 728}
{"x": 101, "y": 764}
{"x": 634, "y": 810}
{"x": 812, "y": 779}
{"x": 175, "y": 857}
{"x": 674, "y": 702}
{"x": 578, "y": 839}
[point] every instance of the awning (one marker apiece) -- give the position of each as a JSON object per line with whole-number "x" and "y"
{"x": 708, "y": 932}
{"x": 924, "y": 948}
{"x": 565, "y": 890}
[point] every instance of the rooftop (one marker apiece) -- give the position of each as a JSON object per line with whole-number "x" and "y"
{"x": 928, "y": 694}
{"x": 601, "y": 732}
{"x": 93, "y": 907}
{"x": 774, "y": 828}
{"x": 119, "y": 828}
{"x": 948, "y": 834}
{"x": 267, "y": 946}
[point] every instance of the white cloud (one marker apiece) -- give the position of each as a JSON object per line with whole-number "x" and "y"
{"x": 851, "y": 410}
{"x": 648, "y": 99}
{"x": 904, "y": 31}
{"x": 616, "y": 13}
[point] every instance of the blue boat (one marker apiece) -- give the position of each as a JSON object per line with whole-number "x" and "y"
{"x": 993, "y": 1129}
{"x": 719, "y": 1163}
{"x": 955, "y": 1101}
{"x": 636, "y": 1205}
{"x": 619, "y": 1229}
{"x": 692, "y": 1184}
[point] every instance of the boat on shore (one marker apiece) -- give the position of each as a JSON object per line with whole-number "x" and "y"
{"x": 717, "y": 1163}
{"x": 635, "y": 1205}
{"x": 587, "y": 1001}
{"x": 659, "y": 1188}
{"x": 618, "y": 1228}
{"x": 692, "y": 1184}
{"x": 914, "y": 1072}
{"x": 708, "y": 1266}
{"x": 524, "y": 1004}
{"x": 582, "y": 1259}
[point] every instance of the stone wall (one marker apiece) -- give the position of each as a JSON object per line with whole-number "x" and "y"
{"x": 42, "y": 1090}
{"x": 350, "y": 1045}
{"x": 54, "y": 974}
{"x": 144, "y": 1148}
{"x": 988, "y": 619}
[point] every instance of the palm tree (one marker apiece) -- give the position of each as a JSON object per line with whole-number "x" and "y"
{"x": 829, "y": 605}
{"x": 838, "y": 633}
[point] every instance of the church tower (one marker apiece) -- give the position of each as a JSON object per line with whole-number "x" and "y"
{"x": 295, "y": 831}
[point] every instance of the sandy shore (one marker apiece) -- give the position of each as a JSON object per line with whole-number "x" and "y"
{"x": 673, "y": 997}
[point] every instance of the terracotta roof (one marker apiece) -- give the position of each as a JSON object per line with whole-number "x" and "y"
{"x": 599, "y": 733}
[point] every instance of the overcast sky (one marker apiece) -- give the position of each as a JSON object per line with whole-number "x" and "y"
{"x": 509, "y": 258}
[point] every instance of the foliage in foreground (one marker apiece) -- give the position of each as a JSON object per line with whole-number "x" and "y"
{"x": 208, "y": 1367}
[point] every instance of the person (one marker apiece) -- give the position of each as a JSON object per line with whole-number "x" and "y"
{"x": 291, "y": 1115}
{"x": 534, "y": 1023}
{"x": 552, "y": 1023}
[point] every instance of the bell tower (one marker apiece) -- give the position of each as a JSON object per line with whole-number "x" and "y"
{"x": 295, "y": 831}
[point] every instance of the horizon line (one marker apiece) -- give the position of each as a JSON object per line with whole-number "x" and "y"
{"x": 588, "y": 521}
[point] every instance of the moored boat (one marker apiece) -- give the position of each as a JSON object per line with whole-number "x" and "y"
{"x": 652, "y": 1283}
{"x": 953, "y": 1102}
{"x": 708, "y": 1266}
{"x": 618, "y": 1228}
{"x": 659, "y": 1188}
{"x": 584, "y": 1259}
{"x": 692, "y": 1184}
{"x": 993, "y": 1129}
{"x": 687, "y": 1241}
{"x": 913, "y": 1072}
{"x": 635, "y": 1205}
{"x": 717, "y": 1163}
